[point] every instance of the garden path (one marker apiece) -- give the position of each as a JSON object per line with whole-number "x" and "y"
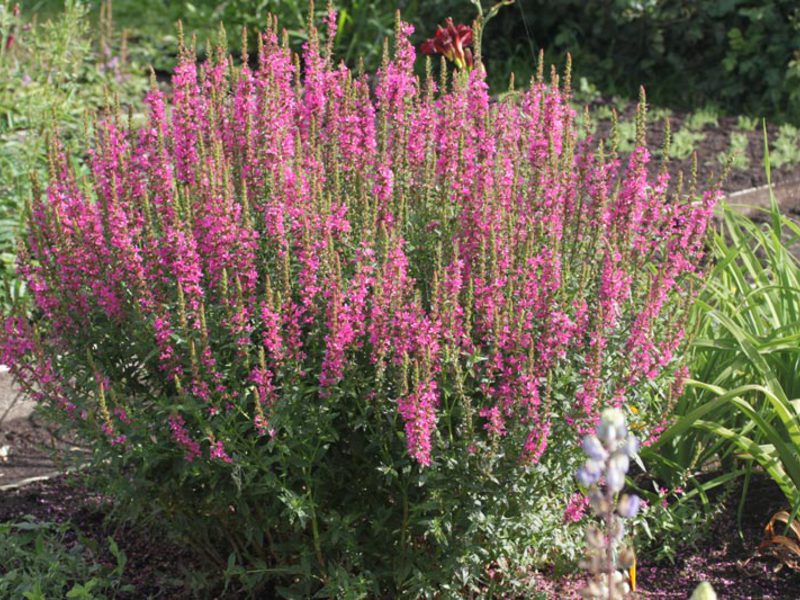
{"x": 29, "y": 450}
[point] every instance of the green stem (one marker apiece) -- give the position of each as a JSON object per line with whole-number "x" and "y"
{"x": 315, "y": 531}
{"x": 610, "y": 547}
{"x": 314, "y": 522}
{"x": 404, "y": 530}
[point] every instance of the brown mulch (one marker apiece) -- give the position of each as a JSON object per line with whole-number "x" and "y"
{"x": 729, "y": 562}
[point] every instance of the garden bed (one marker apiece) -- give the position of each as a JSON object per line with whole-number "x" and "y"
{"x": 713, "y": 137}
{"x": 242, "y": 304}
{"x": 156, "y": 568}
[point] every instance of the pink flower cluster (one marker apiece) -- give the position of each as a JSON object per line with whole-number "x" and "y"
{"x": 267, "y": 226}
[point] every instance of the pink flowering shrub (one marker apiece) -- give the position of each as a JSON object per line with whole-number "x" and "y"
{"x": 346, "y": 335}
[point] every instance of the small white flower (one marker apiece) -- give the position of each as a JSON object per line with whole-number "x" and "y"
{"x": 613, "y": 417}
{"x": 619, "y": 462}
{"x": 631, "y": 446}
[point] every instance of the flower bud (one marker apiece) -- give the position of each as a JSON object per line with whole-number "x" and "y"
{"x": 612, "y": 425}
{"x": 593, "y": 589}
{"x": 619, "y": 462}
{"x": 607, "y": 433}
{"x": 704, "y": 591}
{"x": 616, "y": 530}
{"x": 594, "y": 448}
{"x": 587, "y": 477}
{"x": 594, "y": 539}
{"x": 615, "y": 479}
{"x": 628, "y": 505}
{"x": 594, "y": 466}
{"x": 630, "y": 447}
{"x": 626, "y": 557}
{"x": 613, "y": 417}
{"x": 590, "y": 472}
{"x": 598, "y": 502}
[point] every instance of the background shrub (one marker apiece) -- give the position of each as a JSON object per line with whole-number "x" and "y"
{"x": 740, "y": 56}
{"x": 343, "y": 340}
{"x": 743, "y": 56}
{"x": 53, "y": 72}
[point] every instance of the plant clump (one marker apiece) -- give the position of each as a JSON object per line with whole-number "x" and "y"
{"x": 342, "y": 337}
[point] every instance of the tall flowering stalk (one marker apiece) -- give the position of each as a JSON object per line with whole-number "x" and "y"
{"x": 609, "y": 451}
{"x": 284, "y": 244}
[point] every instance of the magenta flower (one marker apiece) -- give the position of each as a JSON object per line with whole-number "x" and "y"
{"x": 182, "y": 437}
{"x": 217, "y": 452}
{"x": 300, "y": 226}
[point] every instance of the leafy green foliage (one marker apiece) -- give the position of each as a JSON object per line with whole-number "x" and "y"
{"x": 746, "y": 123}
{"x": 674, "y": 48}
{"x": 684, "y": 141}
{"x": 50, "y": 73}
{"x": 339, "y": 526}
{"x": 332, "y": 501}
{"x": 362, "y": 25}
{"x": 786, "y": 147}
{"x": 742, "y": 407}
{"x": 47, "y": 560}
{"x": 737, "y": 152}
{"x": 703, "y": 117}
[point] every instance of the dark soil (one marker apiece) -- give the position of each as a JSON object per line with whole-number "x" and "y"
{"x": 155, "y": 566}
{"x": 716, "y": 141}
{"x": 730, "y": 563}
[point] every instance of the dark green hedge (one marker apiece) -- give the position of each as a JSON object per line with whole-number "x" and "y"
{"x": 742, "y": 55}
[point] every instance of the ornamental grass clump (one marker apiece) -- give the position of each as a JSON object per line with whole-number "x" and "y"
{"x": 342, "y": 338}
